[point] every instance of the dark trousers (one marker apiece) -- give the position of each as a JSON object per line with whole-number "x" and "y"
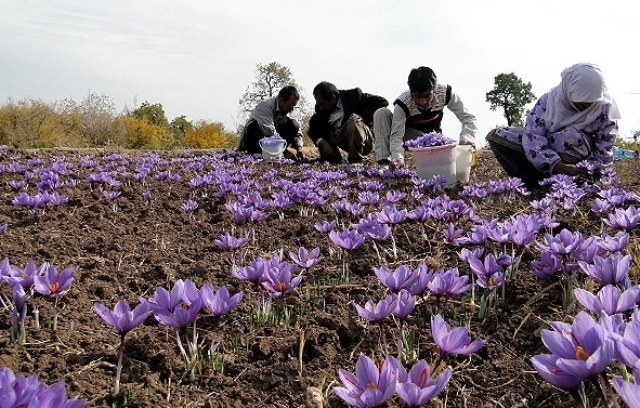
{"x": 288, "y": 131}
{"x": 514, "y": 162}
{"x": 356, "y": 138}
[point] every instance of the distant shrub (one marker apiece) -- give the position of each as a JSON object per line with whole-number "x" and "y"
{"x": 32, "y": 123}
{"x": 207, "y": 135}
{"x": 140, "y": 134}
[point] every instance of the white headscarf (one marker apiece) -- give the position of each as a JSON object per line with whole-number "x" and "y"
{"x": 580, "y": 83}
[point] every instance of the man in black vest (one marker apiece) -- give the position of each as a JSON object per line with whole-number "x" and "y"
{"x": 343, "y": 120}
{"x": 417, "y": 111}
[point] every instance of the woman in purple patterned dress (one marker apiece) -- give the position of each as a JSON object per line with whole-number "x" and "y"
{"x": 574, "y": 121}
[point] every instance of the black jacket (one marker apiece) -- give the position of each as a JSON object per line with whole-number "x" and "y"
{"x": 353, "y": 101}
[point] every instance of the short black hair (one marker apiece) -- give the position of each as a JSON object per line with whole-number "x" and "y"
{"x": 287, "y": 92}
{"x": 422, "y": 79}
{"x": 325, "y": 90}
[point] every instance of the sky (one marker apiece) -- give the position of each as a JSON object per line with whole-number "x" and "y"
{"x": 196, "y": 58}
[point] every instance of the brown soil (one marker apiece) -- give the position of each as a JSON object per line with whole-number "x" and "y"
{"x": 126, "y": 254}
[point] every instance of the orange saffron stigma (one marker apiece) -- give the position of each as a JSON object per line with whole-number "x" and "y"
{"x": 372, "y": 386}
{"x": 282, "y": 287}
{"x": 581, "y": 354}
{"x": 555, "y": 371}
{"x": 54, "y": 287}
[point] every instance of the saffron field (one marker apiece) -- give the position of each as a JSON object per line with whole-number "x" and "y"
{"x": 267, "y": 285}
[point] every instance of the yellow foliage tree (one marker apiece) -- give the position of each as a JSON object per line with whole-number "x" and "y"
{"x": 32, "y": 123}
{"x": 208, "y": 135}
{"x": 142, "y": 134}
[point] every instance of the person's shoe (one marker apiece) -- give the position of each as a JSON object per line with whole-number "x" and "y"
{"x": 383, "y": 165}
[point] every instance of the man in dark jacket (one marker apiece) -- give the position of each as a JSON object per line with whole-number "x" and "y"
{"x": 343, "y": 120}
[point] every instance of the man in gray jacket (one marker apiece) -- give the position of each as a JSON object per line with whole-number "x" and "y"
{"x": 270, "y": 116}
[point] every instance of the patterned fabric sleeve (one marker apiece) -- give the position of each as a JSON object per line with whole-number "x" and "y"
{"x": 605, "y": 132}
{"x": 534, "y": 139}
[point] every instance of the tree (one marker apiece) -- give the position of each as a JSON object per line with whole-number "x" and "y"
{"x": 179, "y": 127}
{"x": 94, "y": 120}
{"x": 153, "y": 114}
{"x": 512, "y": 94}
{"x": 207, "y": 135}
{"x": 270, "y": 79}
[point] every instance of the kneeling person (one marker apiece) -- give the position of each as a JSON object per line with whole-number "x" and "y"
{"x": 343, "y": 121}
{"x": 270, "y": 116}
{"x": 418, "y": 110}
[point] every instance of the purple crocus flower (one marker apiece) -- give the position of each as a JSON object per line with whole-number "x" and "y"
{"x": 3, "y": 228}
{"x": 615, "y": 243}
{"x": 189, "y": 206}
{"x": 484, "y": 270}
{"x": 416, "y": 387}
{"x": 178, "y": 308}
{"x": 121, "y": 317}
{"x": 401, "y": 278}
{"x": 111, "y": 195}
{"x": 219, "y": 303}
{"x": 627, "y": 342}
{"x": 54, "y": 283}
{"x": 370, "y": 386}
{"x": 562, "y": 244}
{"x": 466, "y": 253}
{"x": 405, "y": 306}
{"x": 254, "y": 272}
{"x": 306, "y": 259}
{"x": 453, "y": 235}
{"x": 449, "y": 283}
{"x": 279, "y": 281}
{"x": 549, "y": 264}
{"x": 630, "y": 392}
{"x": 227, "y": 242}
{"x": 377, "y": 312}
{"x": 524, "y": 229}
{"x": 391, "y": 215}
{"x": 13, "y": 275}
{"x": 608, "y": 271}
{"x": 18, "y": 314}
{"x": 583, "y": 348}
{"x": 609, "y": 299}
{"x": 624, "y": 219}
{"x": 456, "y": 341}
{"x": 547, "y": 366}
{"x": 325, "y": 227}
{"x": 424, "y": 276}
{"x": 347, "y": 239}
{"x": 369, "y": 198}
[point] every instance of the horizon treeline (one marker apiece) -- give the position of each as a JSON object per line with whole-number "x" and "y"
{"x": 95, "y": 122}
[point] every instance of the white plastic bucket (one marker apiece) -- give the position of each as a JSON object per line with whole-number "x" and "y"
{"x": 431, "y": 161}
{"x": 272, "y": 149}
{"x": 464, "y": 157}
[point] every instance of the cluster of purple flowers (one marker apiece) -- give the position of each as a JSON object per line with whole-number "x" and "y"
{"x": 372, "y": 386}
{"x": 430, "y": 140}
{"x": 19, "y": 391}
{"x": 275, "y": 274}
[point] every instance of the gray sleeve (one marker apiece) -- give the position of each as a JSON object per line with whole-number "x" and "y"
{"x": 468, "y": 120}
{"x": 264, "y": 114}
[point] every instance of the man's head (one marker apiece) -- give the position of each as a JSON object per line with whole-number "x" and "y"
{"x": 288, "y": 98}
{"x": 421, "y": 83}
{"x": 326, "y": 96}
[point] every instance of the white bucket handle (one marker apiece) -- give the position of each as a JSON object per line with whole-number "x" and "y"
{"x": 274, "y": 153}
